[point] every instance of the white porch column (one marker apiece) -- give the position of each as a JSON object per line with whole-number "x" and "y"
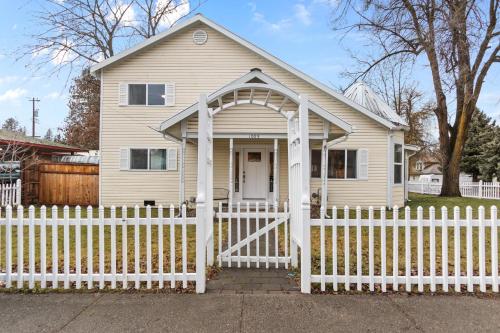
{"x": 201, "y": 215}
{"x": 324, "y": 168}
{"x": 231, "y": 183}
{"x": 182, "y": 169}
{"x": 305, "y": 251}
{"x": 275, "y": 174}
{"x": 210, "y": 190}
{"x": 293, "y": 244}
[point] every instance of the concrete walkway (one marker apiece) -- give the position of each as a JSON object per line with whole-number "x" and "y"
{"x": 133, "y": 312}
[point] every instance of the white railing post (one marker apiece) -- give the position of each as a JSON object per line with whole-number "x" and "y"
{"x": 201, "y": 213}
{"x": 480, "y": 189}
{"x": 18, "y": 192}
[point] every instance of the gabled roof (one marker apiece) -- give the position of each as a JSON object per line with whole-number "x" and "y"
{"x": 201, "y": 19}
{"x": 362, "y": 94}
{"x": 265, "y": 82}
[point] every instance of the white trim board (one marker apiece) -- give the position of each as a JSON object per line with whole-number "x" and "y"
{"x": 200, "y": 18}
{"x": 271, "y": 85}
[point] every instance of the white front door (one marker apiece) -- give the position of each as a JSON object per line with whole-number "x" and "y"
{"x": 254, "y": 173}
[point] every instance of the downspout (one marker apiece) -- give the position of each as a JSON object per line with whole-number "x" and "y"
{"x": 389, "y": 168}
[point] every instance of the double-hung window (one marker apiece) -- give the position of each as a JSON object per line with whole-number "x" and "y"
{"x": 342, "y": 163}
{"x": 148, "y": 159}
{"x": 147, "y": 94}
{"x": 398, "y": 163}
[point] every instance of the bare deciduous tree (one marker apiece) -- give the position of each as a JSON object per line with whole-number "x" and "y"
{"x": 78, "y": 32}
{"x": 392, "y": 80}
{"x": 15, "y": 156}
{"x": 459, "y": 41}
{"x": 157, "y": 14}
{"x": 75, "y": 34}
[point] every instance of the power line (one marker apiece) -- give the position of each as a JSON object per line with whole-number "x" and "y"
{"x": 34, "y": 118}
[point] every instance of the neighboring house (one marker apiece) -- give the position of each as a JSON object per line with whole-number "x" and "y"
{"x": 20, "y": 155}
{"x": 425, "y": 166}
{"x": 151, "y": 95}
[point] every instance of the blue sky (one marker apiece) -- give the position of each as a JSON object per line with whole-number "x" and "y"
{"x": 296, "y": 31}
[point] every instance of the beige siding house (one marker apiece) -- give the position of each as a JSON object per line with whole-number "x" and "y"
{"x": 149, "y": 125}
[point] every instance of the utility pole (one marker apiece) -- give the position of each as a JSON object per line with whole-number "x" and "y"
{"x": 35, "y": 114}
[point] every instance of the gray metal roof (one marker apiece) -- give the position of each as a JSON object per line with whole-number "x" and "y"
{"x": 363, "y": 95}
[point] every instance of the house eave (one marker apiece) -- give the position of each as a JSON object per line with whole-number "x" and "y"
{"x": 252, "y": 47}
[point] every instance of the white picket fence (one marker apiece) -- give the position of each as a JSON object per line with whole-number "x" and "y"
{"x": 43, "y": 252}
{"x": 395, "y": 232}
{"x": 482, "y": 190}
{"x": 253, "y": 224}
{"x": 10, "y": 193}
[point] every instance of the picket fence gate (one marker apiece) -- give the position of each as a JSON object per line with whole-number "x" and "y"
{"x": 10, "y": 193}
{"x": 258, "y": 226}
{"x": 356, "y": 273}
{"x": 38, "y": 225}
{"x": 481, "y": 190}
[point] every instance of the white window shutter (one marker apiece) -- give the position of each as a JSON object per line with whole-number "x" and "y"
{"x": 169, "y": 94}
{"x": 172, "y": 159}
{"x": 123, "y": 94}
{"x": 363, "y": 164}
{"x": 124, "y": 154}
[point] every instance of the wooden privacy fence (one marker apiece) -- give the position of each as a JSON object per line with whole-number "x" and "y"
{"x": 10, "y": 193}
{"x": 408, "y": 252}
{"x": 68, "y": 184}
{"x": 137, "y": 247}
{"x": 482, "y": 190}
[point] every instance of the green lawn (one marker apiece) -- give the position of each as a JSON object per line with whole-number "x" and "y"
{"x": 417, "y": 200}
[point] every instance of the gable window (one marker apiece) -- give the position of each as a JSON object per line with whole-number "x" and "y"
{"x": 342, "y": 164}
{"x": 148, "y": 159}
{"x": 147, "y": 94}
{"x": 398, "y": 163}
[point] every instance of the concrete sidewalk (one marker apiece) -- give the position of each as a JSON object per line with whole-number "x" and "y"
{"x": 132, "y": 312}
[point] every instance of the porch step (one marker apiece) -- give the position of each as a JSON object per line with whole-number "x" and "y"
{"x": 253, "y": 281}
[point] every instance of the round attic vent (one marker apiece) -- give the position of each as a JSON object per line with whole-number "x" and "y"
{"x": 200, "y": 37}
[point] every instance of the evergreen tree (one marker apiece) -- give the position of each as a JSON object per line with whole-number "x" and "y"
{"x": 489, "y": 164}
{"x": 48, "y": 135}
{"x": 13, "y": 125}
{"x": 480, "y": 133}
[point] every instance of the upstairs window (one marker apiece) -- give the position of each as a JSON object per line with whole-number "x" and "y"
{"x": 147, "y": 94}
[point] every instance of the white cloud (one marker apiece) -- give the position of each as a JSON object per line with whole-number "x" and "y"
{"x": 330, "y": 3}
{"x": 272, "y": 26}
{"x": 9, "y": 79}
{"x": 302, "y": 14}
{"x": 54, "y": 96}
{"x": 177, "y": 9}
{"x": 12, "y": 94}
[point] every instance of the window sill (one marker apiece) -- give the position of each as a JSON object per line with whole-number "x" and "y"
{"x": 146, "y": 106}
{"x": 146, "y": 170}
{"x": 342, "y": 179}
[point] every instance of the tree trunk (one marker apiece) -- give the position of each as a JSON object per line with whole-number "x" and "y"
{"x": 451, "y": 180}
